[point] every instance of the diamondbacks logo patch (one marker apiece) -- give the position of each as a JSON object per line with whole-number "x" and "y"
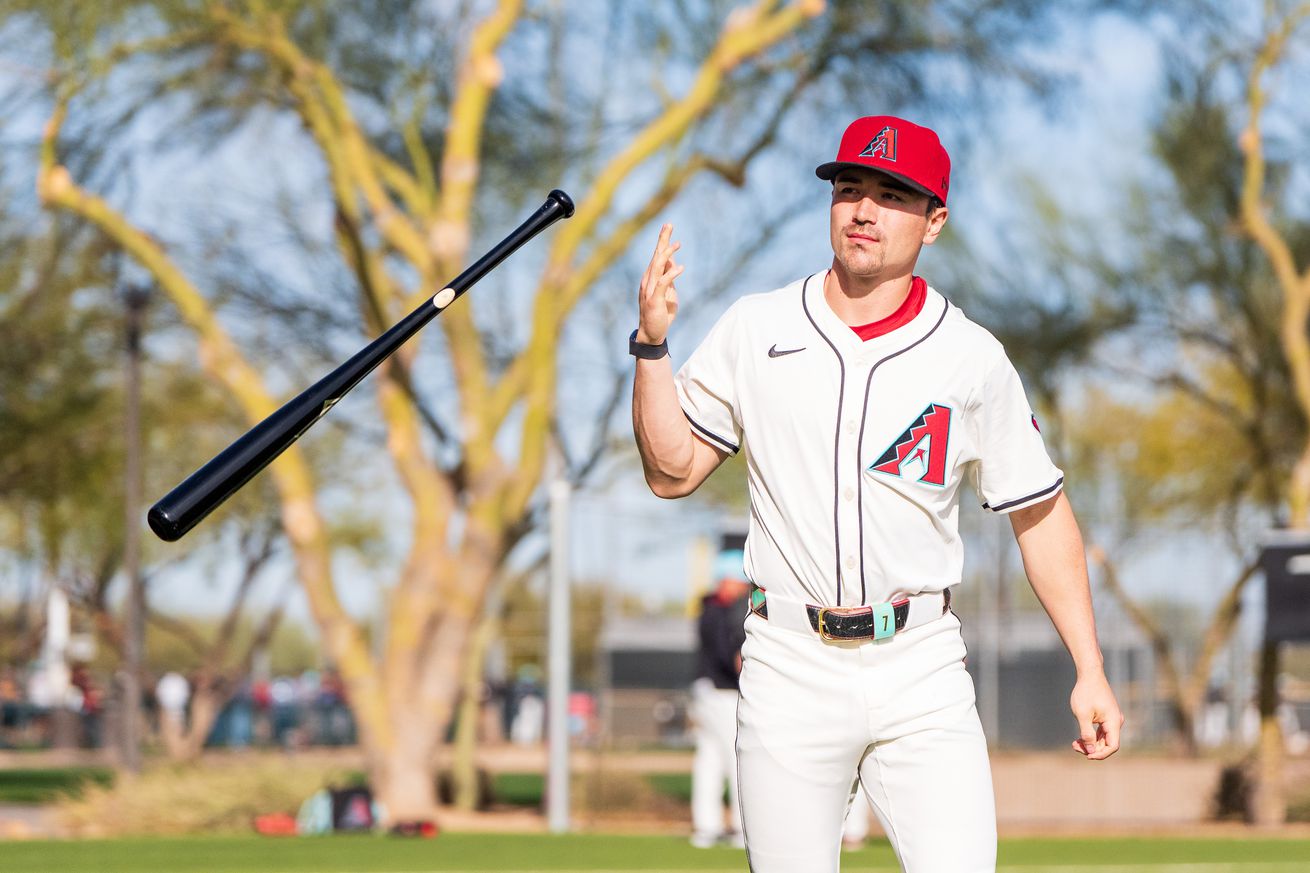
{"x": 920, "y": 452}
{"x": 883, "y": 145}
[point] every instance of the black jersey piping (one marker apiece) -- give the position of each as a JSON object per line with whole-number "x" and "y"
{"x": 1012, "y": 503}
{"x": 836, "y": 443}
{"x": 709, "y": 434}
{"x": 859, "y": 446}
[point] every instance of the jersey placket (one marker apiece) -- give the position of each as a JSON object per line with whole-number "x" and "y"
{"x": 850, "y": 478}
{"x": 853, "y": 360}
{"x": 868, "y": 366}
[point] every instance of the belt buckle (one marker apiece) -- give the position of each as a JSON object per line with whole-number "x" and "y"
{"x": 824, "y": 633}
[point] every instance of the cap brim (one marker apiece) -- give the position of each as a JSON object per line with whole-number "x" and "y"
{"x": 829, "y": 171}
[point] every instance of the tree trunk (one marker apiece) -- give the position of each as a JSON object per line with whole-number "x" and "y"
{"x": 402, "y": 754}
{"x": 206, "y": 702}
{"x": 1269, "y": 801}
{"x": 404, "y": 780}
{"x": 463, "y": 765}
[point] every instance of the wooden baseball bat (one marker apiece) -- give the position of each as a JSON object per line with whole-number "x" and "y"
{"x": 204, "y": 490}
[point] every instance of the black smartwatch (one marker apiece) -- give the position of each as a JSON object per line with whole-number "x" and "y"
{"x": 646, "y": 350}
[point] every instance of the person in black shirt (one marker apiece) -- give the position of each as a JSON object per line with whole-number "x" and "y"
{"x": 721, "y": 633}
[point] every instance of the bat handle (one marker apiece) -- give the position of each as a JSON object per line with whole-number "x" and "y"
{"x": 558, "y": 205}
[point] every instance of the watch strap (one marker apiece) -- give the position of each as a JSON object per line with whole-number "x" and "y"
{"x": 647, "y": 351}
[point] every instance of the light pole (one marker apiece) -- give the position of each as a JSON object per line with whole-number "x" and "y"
{"x": 135, "y": 299}
{"x": 559, "y": 662}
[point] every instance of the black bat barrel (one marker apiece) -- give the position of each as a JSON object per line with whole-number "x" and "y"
{"x": 204, "y": 490}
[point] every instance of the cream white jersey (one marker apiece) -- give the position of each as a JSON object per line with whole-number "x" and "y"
{"x": 856, "y": 450}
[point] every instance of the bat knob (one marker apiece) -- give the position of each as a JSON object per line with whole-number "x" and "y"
{"x": 167, "y": 529}
{"x": 565, "y": 201}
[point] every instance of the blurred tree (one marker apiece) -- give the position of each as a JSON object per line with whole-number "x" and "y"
{"x": 1172, "y": 298}
{"x": 62, "y": 450}
{"x": 1211, "y": 443}
{"x": 225, "y": 660}
{"x": 1287, "y": 248}
{"x": 1220, "y": 437}
{"x": 60, "y": 441}
{"x": 408, "y": 112}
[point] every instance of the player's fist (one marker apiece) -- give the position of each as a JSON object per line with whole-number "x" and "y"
{"x": 658, "y": 299}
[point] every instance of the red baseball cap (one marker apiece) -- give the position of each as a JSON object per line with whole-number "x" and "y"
{"x": 897, "y": 147}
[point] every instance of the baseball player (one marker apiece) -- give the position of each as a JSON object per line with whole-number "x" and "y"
{"x": 864, "y": 400}
{"x": 720, "y": 636}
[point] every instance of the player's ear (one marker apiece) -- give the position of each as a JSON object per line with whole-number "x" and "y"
{"x": 936, "y": 221}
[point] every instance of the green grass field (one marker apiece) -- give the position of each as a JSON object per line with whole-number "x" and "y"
{"x": 518, "y": 853}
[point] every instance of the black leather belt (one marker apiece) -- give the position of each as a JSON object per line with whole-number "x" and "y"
{"x": 857, "y": 622}
{"x": 868, "y": 622}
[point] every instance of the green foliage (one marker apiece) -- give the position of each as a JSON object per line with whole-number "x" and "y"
{"x": 674, "y": 785}
{"x": 34, "y": 786}
{"x": 519, "y": 789}
{"x": 1192, "y": 417}
{"x": 1223, "y": 431}
{"x": 60, "y": 407}
{"x": 528, "y": 789}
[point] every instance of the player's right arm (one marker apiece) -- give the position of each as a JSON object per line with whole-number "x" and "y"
{"x": 676, "y": 462}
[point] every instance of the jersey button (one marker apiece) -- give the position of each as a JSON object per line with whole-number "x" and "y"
{"x": 849, "y": 494}
{"x": 850, "y": 426}
{"x": 850, "y": 562}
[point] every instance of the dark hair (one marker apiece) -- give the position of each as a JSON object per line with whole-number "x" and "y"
{"x": 934, "y": 203}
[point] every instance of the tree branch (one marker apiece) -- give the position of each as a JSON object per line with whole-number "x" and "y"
{"x": 1294, "y": 284}
{"x": 478, "y": 77}
{"x": 748, "y": 32}
{"x": 1155, "y": 634}
{"x": 1217, "y": 634}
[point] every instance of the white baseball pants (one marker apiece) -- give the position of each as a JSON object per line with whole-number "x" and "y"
{"x": 900, "y": 712}
{"x": 714, "y": 711}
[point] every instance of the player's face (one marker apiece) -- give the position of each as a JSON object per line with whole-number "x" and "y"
{"x": 879, "y": 224}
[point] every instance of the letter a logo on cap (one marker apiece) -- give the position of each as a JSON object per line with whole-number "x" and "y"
{"x": 883, "y": 145}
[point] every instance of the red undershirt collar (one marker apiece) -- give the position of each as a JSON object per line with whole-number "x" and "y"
{"x": 912, "y": 306}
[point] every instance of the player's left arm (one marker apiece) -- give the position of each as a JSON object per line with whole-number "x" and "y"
{"x": 1053, "y": 558}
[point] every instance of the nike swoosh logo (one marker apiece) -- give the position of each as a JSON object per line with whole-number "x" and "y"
{"x": 775, "y": 353}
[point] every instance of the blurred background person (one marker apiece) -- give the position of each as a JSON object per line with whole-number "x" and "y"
{"x": 173, "y": 693}
{"x": 527, "y": 703}
{"x": 721, "y": 632}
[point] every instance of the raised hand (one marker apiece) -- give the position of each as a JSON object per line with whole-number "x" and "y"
{"x": 658, "y": 299}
